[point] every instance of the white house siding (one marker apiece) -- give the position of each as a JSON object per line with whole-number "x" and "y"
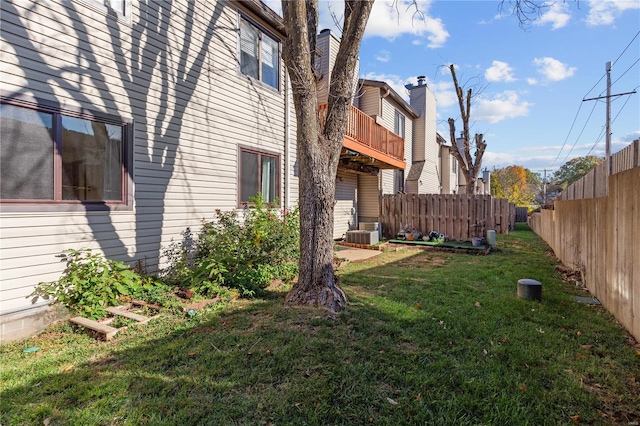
{"x": 324, "y": 63}
{"x": 368, "y": 199}
{"x": 368, "y": 101}
{"x": 449, "y": 178}
{"x": 431, "y": 173}
{"x": 425, "y": 145}
{"x": 346, "y": 195}
{"x": 174, "y": 71}
{"x": 389, "y": 108}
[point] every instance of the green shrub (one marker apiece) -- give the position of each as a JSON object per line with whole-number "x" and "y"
{"x": 90, "y": 283}
{"x": 244, "y": 254}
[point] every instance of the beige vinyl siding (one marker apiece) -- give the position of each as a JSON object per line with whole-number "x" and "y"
{"x": 369, "y": 101}
{"x": 329, "y": 45}
{"x": 386, "y": 181}
{"x": 389, "y": 108}
{"x": 431, "y": 172}
{"x": 425, "y": 145}
{"x": 346, "y": 195}
{"x": 368, "y": 199}
{"x": 324, "y": 65}
{"x": 176, "y": 75}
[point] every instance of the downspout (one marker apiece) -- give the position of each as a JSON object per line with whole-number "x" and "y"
{"x": 287, "y": 142}
{"x": 387, "y": 93}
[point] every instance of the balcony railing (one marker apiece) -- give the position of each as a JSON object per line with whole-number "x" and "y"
{"x": 370, "y": 136}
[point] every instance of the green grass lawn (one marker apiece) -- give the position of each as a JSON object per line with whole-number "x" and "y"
{"x": 428, "y": 338}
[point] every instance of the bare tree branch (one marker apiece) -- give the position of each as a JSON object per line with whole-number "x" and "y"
{"x": 469, "y": 167}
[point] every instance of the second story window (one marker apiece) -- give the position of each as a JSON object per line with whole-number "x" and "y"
{"x": 259, "y": 54}
{"x": 398, "y": 124}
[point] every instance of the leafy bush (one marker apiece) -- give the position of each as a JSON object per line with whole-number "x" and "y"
{"x": 180, "y": 258}
{"x": 90, "y": 283}
{"x": 245, "y": 255}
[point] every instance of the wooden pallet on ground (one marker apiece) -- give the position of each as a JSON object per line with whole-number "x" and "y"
{"x": 103, "y": 327}
{"x": 106, "y": 330}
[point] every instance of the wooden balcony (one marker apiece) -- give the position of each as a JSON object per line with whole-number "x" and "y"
{"x": 372, "y": 144}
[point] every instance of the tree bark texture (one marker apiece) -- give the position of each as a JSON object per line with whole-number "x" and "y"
{"x": 319, "y": 145}
{"x": 470, "y": 167}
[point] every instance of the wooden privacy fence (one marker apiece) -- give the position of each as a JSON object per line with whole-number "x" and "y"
{"x": 458, "y": 217}
{"x": 600, "y": 237}
{"x": 595, "y": 184}
{"x": 521, "y": 214}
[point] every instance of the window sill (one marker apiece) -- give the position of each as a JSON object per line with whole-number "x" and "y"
{"x": 49, "y": 207}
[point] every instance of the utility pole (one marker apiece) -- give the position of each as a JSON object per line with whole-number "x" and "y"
{"x": 608, "y": 126}
{"x": 608, "y": 119}
{"x": 544, "y": 186}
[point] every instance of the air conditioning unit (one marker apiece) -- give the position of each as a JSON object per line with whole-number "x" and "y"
{"x": 362, "y": 237}
{"x": 371, "y": 226}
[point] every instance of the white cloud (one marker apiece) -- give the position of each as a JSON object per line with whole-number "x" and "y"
{"x": 383, "y": 56}
{"x": 532, "y": 81}
{"x": 557, "y": 16}
{"x": 504, "y": 159}
{"x": 553, "y": 69}
{"x": 505, "y": 105}
{"x": 391, "y": 19}
{"x": 444, "y": 93}
{"x": 630, "y": 137}
{"x": 605, "y": 12}
{"x": 499, "y": 71}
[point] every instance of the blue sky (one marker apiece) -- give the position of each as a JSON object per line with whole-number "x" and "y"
{"x": 531, "y": 81}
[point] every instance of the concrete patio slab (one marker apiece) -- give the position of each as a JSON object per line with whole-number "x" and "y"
{"x": 352, "y": 253}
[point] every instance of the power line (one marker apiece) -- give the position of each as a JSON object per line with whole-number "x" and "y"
{"x": 625, "y": 49}
{"x": 617, "y": 59}
{"x": 598, "y": 139}
{"x": 581, "y": 131}
{"x": 594, "y": 86}
{"x": 612, "y": 121}
{"x": 626, "y": 71}
{"x": 568, "y": 134}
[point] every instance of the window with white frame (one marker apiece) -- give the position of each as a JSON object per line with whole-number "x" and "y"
{"x": 398, "y": 124}
{"x": 259, "y": 54}
{"x": 259, "y": 173}
{"x": 119, "y": 8}
{"x": 50, "y": 156}
{"x": 454, "y": 165}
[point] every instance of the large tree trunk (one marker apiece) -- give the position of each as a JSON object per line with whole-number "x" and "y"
{"x": 319, "y": 145}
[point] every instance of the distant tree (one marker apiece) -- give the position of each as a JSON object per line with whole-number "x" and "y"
{"x": 573, "y": 170}
{"x": 515, "y": 183}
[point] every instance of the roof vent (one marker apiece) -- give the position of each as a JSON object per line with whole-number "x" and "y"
{"x": 421, "y": 79}
{"x": 325, "y": 31}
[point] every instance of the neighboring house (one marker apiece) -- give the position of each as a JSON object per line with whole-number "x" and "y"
{"x": 123, "y": 123}
{"x": 449, "y": 167}
{"x": 425, "y": 174}
{"x": 390, "y": 145}
{"x": 369, "y": 146}
{"x": 393, "y": 114}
